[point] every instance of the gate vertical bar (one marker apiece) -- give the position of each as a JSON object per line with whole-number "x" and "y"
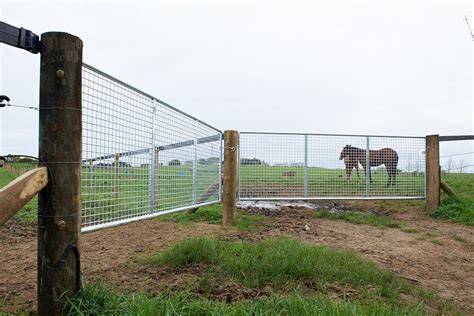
{"x": 305, "y": 165}
{"x": 91, "y": 182}
{"x": 60, "y": 150}
{"x": 367, "y": 168}
{"x": 117, "y": 185}
{"x": 151, "y": 173}
{"x": 195, "y": 162}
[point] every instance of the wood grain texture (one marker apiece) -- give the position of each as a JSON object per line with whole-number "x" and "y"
{"x": 433, "y": 178}
{"x": 229, "y": 197}
{"x": 20, "y": 191}
{"x": 60, "y": 145}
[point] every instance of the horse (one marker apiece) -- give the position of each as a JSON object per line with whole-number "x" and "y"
{"x": 351, "y": 164}
{"x": 384, "y": 156}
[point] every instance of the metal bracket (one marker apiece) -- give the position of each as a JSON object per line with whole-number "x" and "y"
{"x": 19, "y": 37}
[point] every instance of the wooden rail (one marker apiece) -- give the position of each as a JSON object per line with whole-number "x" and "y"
{"x": 20, "y": 191}
{"x": 455, "y": 138}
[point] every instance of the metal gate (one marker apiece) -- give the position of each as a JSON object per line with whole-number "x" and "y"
{"x": 293, "y": 166}
{"x": 140, "y": 156}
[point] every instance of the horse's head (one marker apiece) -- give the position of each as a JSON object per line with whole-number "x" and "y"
{"x": 346, "y": 151}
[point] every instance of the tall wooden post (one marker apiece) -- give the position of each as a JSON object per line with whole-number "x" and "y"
{"x": 229, "y": 199}
{"x": 433, "y": 177}
{"x": 60, "y": 136}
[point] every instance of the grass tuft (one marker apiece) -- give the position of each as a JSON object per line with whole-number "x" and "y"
{"x": 280, "y": 262}
{"x": 212, "y": 214}
{"x": 456, "y": 209}
{"x": 99, "y": 300}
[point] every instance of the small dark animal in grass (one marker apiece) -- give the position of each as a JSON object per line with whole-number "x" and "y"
{"x": 384, "y": 156}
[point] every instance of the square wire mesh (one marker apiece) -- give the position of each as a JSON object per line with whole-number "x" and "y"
{"x": 311, "y": 166}
{"x": 141, "y": 157}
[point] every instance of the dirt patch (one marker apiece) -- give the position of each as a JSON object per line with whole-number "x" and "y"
{"x": 107, "y": 256}
{"x": 432, "y": 256}
{"x": 436, "y": 255}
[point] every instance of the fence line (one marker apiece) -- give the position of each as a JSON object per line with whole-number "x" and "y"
{"x": 455, "y": 155}
{"x": 142, "y": 157}
{"x": 330, "y": 166}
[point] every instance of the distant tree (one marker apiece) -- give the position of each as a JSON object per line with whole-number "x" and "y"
{"x": 213, "y": 160}
{"x": 462, "y": 163}
{"x": 174, "y": 162}
{"x": 449, "y": 165}
{"x": 253, "y": 161}
{"x": 202, "y": 161}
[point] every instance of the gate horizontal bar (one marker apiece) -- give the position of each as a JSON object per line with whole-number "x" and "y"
{"x": 289, "y": 198}
{"x": 201, "y": 140}
{"x": 315, "y": 134}
{"x": 88, "y": 229}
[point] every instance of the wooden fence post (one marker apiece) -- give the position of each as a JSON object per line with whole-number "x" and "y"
{"x": 229, "y": 199}
{"x": 60, "y": 137}
{"x": 433, "y": 177}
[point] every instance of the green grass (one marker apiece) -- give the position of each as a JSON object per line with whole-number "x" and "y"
{"x": 212, "y": 214}
{"x": 99, "y": 300}
{"x": 278, "y": 261}
{"x": 302, "y": 278}
{"x": 360, "y": 218}
{"x": 460, "y": 208}
{"x": 456, "y": 209}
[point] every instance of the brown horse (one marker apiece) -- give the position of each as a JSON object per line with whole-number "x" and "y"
{"x": 384, "y": 156}
{"x": 351, "y": 164}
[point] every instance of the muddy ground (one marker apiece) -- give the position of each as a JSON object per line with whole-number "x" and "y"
{"x": 435, "y": 255}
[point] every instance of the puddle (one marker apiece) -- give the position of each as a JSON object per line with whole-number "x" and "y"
{"x": 273, "y": 205}
{"x": 278, "y": 205}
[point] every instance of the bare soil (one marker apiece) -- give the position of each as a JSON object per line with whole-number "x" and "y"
{"x": 435, "y": 255}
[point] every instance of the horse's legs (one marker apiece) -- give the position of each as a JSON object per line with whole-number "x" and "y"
{"x": 389, "y": 182}
{"x": 348, "y": 172}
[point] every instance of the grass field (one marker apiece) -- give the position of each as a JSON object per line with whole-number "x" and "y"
{"x": 275, "y": 181}
{"x": 458, "y": 209}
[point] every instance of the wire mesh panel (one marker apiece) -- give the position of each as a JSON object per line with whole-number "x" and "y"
{"x": 311, "y": 166}
{"x": 141, "y": 157}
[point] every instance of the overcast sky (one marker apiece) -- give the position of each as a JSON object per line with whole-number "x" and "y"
{"x": 363, "y": 68}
